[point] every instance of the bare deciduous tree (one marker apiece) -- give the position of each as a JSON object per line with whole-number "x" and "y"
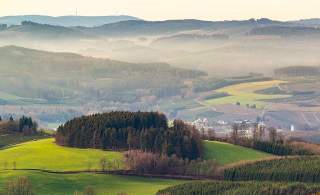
{"x": 21, "y": 186}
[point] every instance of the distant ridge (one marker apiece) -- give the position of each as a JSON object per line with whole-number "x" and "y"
{"x": 125, "y": 28}
{"x": 87, "y": 21}
{"x": 313, "y": 22}
{"x": 136, "y": 27}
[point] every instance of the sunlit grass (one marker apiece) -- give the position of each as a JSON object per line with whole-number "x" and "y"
{"x": 245, "y": 94}
{"x": 61, "y": 184}
{"x": 45, "y": 154}
{"x": 225, "y": 153}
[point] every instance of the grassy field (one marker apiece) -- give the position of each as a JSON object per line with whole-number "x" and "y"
{"x": 16, "y": 138}
{"x": 245, "y": 93}
{"x": 45, "y": 154}
{"x": 58, "y": 184}
{"x": 226, "y": 153}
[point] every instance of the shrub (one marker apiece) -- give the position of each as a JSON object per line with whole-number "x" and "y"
{"x": 147, "y": 162}
{"x": 21, "y": 186}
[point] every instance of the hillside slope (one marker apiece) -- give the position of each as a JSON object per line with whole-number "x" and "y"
{"x": 49, "y": 77}
{"x": 45, "y": 154}
{"x": 88, "y": 21}
{"x": 225, "y": 153}
{"x": 58, "y": 184}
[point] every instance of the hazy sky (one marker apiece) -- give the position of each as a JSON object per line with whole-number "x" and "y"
{"x": 168, "y": 9}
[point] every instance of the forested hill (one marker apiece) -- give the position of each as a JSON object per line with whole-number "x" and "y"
{"x": 142, "y": 27}
{"x": 285, "y": 31}
{"x": 298, "y": 71}
{"x": 66, "y": 76}
{"x": 29, "y": 29}
{"x": 88, "y": 21}
{"x": 146, "y": 131}
{"x": 129, "y": 27}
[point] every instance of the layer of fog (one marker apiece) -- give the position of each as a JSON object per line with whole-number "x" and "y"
{"x": 233, "y": 56}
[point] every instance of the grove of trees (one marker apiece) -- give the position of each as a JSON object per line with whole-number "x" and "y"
{"x": 151, "y": 163}
{"x": 25, "y": 125}
{"x": 146, "y": 131}
{"x": 270, "y": 141}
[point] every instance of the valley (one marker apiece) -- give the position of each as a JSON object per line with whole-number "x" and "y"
{"x": 121, "y": 105}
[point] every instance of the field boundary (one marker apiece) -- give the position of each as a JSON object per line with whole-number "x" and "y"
{"x": 124, "y": 173}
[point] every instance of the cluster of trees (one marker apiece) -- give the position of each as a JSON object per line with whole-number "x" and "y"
{"x": 20, "y": 186}
{"x": 297, "y": 71}
{"x": 3, "y": 26}
{"x": 268, "y": 140}
{"x": 302, "y": 169}
{"x": 25, "y": 125}
{"x": 151, "y": 163}
{"x": 279, "y": 148}
{"x": 147, "y": 131}
{"x": 253, "y": 188}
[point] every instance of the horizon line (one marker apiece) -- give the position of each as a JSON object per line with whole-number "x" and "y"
{"x": 138, "y": 18}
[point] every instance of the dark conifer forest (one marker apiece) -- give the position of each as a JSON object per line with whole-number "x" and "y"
{"x": 146, "y": 131}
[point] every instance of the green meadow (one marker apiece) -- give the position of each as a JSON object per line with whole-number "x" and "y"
{"x": 61, "y": 184}
{"x": 225, "y": 153}
{"x": 245, "y": 93}
{"x": 45, "y": 154}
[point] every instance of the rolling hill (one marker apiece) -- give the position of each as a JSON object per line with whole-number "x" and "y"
{"x": 49, "y": 77}
{"x": 88, "y": 21}
{"x": 136, "y": 27}
{"x": 226, "y": 153}
{"x": 297, "y": 71}
{"x": 308, "y": 22}
{"x": 16, "y": 138}
{"x": 246, "y": 94}
{"x": 285, "y": 31}
{"x": 45, "y": 154}
{"x": 57, "y": 184}
{"x": 29, "y": 30}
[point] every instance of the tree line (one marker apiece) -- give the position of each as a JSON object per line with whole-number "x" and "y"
{"x": 25, "y": 125}
{"x": 268, "y": 140}
{"x": 119, "y": 130}
{"x": 150, "y": 163}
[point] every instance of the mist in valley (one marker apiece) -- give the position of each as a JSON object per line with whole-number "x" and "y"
{"x": 170, "y": 66}
{"x": 223, "y": 52}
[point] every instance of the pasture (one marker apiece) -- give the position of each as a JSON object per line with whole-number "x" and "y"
{"x": 225, "y": 153}
{"x": 45, "y": 154}
{"x": 62, "y": 184}
{"x": 246, "y": 93}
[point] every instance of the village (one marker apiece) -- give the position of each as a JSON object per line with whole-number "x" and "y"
{"x": 222, "y": 129}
